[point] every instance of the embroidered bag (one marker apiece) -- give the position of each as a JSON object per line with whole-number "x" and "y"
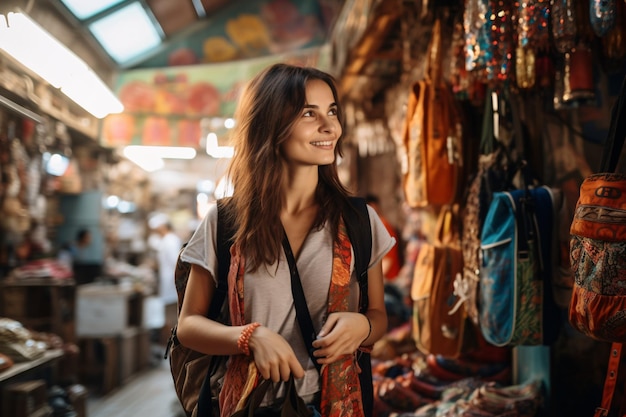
{"x": 598, "y": 244}
{"x": 598, "y": 254}
{"x": 438, "y": 317}
{"x": 515, "y": 297}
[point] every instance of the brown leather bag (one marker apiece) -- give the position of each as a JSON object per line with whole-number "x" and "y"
{"x": 432, "y": 136}
{"x": 439, "y": 317}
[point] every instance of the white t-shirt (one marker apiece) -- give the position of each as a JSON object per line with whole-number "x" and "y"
{"x": 267, "y": 292}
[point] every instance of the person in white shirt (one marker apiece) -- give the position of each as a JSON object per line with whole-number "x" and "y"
{"x": 167, "y": 247}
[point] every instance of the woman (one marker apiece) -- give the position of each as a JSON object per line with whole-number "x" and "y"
{"x": 284, "y": 173}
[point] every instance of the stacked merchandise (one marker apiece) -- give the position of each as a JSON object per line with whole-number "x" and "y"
{"x": 19, "y": 343}
{"x": 414, "y": 384}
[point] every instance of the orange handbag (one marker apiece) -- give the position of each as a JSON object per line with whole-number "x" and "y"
{"x": 598, "y": 243}
{"x": 439, "y": 317}
{"x": 432, "y": 136}
{"x": 598, "y": 254}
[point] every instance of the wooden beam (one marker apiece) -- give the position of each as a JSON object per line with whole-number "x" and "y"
{"x": 368, "y": 48}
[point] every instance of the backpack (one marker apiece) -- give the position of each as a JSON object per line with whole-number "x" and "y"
{"x": 197, "y": 376}
{"x": 516, "y": 304}
{"x": 197, "y": 388}
{"x": 496, "y": 170}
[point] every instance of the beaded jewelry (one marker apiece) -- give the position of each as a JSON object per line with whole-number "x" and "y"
{"x": 244, "y": 338}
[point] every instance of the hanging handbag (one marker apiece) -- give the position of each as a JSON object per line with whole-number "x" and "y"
{"x": 598, "y": 253}
{"x": 432, "y": 136}
{"x": 515, "y": 291}
{"x": 598, "y": 243}
{"x": 439, "y": 316}
{"x": 291, "y": 405}
{"x": 496, "y": 170}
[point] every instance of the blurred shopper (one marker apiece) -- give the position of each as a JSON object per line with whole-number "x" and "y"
{"x": 167, "y": 245}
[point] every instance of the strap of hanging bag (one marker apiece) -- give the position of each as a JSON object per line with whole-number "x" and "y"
{"x": 617, "y": 132}
{"x": 610, "y": 156}
{"x": 610, "y": 381}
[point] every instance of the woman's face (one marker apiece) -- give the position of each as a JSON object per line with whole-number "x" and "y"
{"x": 317, "y": 129}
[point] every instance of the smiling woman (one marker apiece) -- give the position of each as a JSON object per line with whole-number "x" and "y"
{"x": 287, "y": 140}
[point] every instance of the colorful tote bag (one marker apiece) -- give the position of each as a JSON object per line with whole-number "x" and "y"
{"x": 598, "y": 243}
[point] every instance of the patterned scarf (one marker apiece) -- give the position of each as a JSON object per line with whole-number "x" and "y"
{"x": 341, "y": 390}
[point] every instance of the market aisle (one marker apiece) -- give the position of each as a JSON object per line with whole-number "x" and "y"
{"x": 150, "y": 393}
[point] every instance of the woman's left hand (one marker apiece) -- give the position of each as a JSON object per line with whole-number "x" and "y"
{"x": 342, "y": 334}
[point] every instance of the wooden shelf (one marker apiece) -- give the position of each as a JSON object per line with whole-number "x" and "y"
{"x": 41, "y": 304}
{"x": 38, "y": 282}
{"x": 48, "y": 358}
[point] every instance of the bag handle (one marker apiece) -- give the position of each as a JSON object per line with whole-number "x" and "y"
{"x": 617, "y": 132}
{"x": 434, "y": 55}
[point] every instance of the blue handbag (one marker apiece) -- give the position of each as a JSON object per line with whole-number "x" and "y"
{"x": 516, "y": 305}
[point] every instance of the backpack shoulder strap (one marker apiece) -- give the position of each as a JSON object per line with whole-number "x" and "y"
{"x": 358, "y": 225}
{"x": 224, "y": 236}
{"x": 360, "y": 234}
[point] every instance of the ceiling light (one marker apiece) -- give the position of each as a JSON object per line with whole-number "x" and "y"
{"x": 166, "y": 152}
{"x": 29, "y": 44}
{"x": 55, "y": 164}
{"x": 150, "y": 158}
{"x": 126, "y": 33}
{"x": 84, "y": 9}
{"x": 146, "y": 162}
{"x": 229, "y": 123}
{"x": 213, "y": 149}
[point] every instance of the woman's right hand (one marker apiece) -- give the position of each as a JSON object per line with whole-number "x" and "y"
{"x": 273, "y": 356}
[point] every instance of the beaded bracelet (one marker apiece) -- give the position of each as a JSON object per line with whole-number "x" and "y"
{"x": 244, "y": 338}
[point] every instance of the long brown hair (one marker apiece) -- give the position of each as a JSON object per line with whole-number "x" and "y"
{"x": 266, "y": 112}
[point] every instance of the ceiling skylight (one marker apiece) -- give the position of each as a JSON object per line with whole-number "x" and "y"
{"x": 126, "y": 33}
{"x": 85, "y": 9}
